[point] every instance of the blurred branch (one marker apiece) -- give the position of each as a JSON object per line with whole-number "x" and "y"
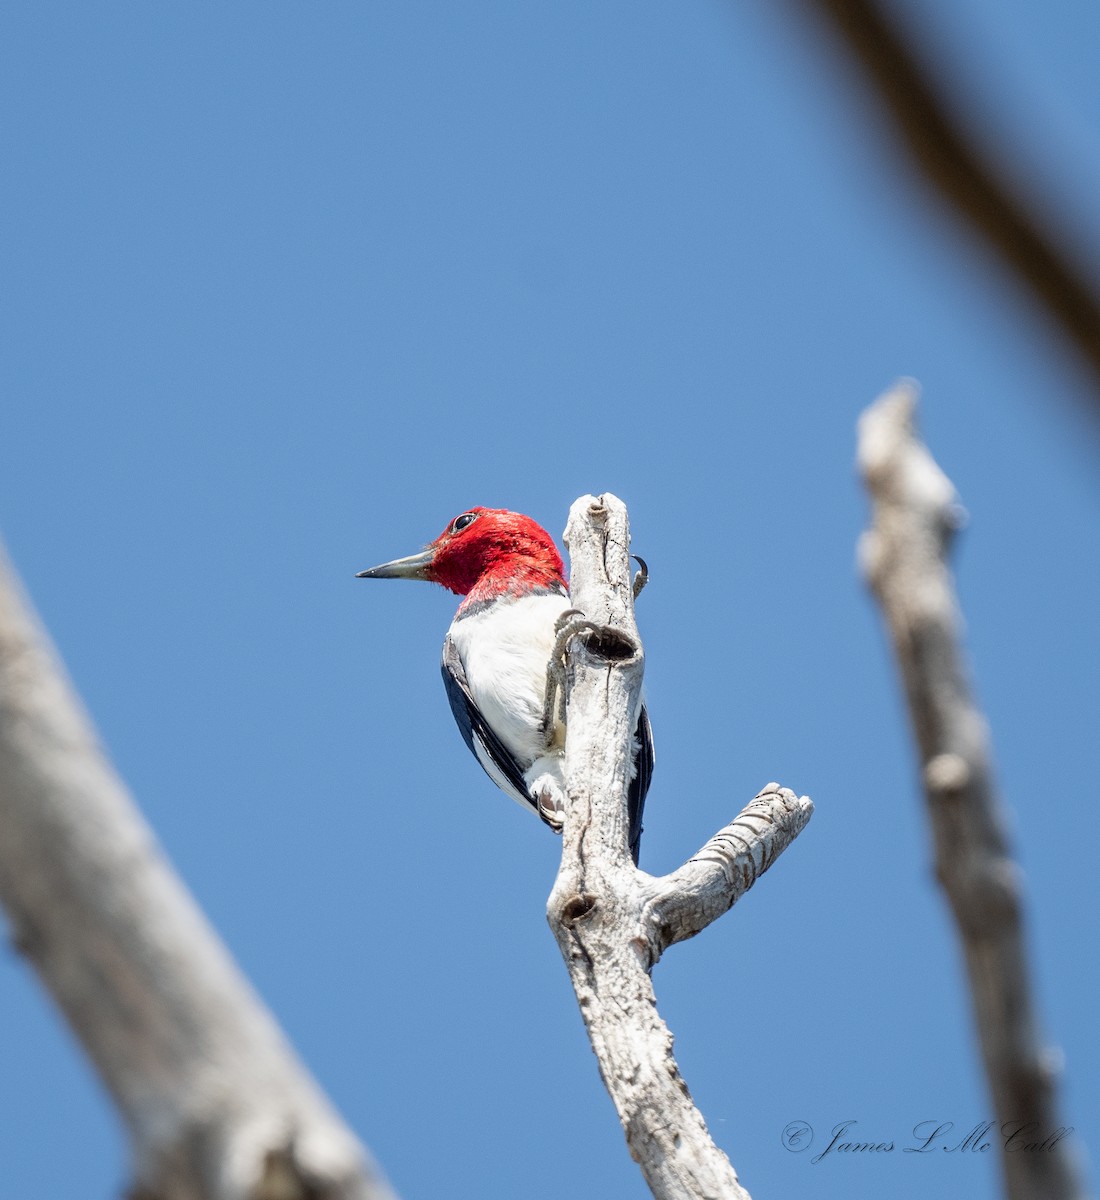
{"x": 612, "y": 921}
{"x": 915, "y": 513}
{"x": 969, "y": 182}
{"x": 216, "y": 1103}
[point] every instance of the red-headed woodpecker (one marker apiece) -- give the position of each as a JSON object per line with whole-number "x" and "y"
{"x": 497, "y": 655}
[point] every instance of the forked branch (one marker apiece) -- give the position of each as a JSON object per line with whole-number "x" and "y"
{"x": 612, "y": 921}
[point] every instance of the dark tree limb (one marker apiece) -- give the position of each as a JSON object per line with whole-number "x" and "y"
{"x": 971, "y": 182}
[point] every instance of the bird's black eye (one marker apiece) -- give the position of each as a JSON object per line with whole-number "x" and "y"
{"x": 460, "y": 523}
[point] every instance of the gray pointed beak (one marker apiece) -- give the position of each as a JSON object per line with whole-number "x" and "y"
{"x": 414, "y": 567}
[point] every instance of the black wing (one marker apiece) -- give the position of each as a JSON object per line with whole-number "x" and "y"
{"x": 639, "y": 785}
{"x": 484, "y": 744}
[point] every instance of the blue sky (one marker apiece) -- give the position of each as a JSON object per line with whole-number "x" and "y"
{"x": 288, "y": 287}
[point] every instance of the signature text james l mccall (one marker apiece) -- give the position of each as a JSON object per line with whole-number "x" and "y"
{"x": 928, "y": 1137}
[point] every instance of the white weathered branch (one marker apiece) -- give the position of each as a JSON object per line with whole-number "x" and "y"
{"x": 217, "y": 1105}
{"x": 612, "y": 921}
{"x": 719, "y": 874}
{"x": 904, "y": 556}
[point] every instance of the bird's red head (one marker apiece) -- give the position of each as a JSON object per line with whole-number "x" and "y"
{"x": 493, "y": 550}
{"x": 482, "y": 554}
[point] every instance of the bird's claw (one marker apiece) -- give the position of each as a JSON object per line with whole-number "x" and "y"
{"x": 565, "y": 619}
{"x": 550, "y": 809}
{"x": 642, "y": 578}
{"x": 567, "y": 626}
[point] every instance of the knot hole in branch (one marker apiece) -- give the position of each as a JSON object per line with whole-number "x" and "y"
{"x": 577, "y": 908}
{"x": 283, "y": 1180}
{"x": 610, "y": 644}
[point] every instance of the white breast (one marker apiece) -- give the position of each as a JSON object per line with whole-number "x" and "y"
{"x": 504, "y": 650}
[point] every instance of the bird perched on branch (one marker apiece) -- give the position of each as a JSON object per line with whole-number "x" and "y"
{"x": 502, "y": 656}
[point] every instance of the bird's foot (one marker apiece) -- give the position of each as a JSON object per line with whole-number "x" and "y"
{"x": 567, "y": 626}
{"x": 546, "y": 788}
{"x": 550, "y": 806}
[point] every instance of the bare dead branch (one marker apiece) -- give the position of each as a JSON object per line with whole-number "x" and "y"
{"x": 719, "y": 874}
{"x": 217, "y": 1105}
{"x": 612, "y": 921}
{"x": 969, "y": 180}
{"x": 904, "y": 557}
